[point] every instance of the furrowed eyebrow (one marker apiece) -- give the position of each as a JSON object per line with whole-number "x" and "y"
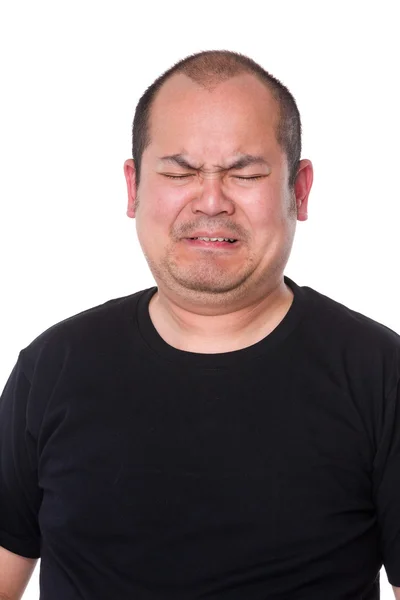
{"x": 247, "y": 160}
{"x": 243, "y": 161}
{"x": 178, "y": 159}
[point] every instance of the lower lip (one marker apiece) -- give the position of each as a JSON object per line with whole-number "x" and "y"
{"x": 212, "y": 245}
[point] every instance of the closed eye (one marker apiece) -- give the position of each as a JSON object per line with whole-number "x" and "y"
{"x": 253, "y": 177}
{"x": 178, "y": 176}
{"x": 250, "y": 178}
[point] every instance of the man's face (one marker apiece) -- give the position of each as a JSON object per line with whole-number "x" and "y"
{"x": 225, "y": 176}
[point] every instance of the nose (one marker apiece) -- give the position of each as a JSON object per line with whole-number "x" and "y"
{"x": 211, "y": 198}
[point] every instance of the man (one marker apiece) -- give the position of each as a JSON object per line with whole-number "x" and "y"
{"x": 227, "y": 434}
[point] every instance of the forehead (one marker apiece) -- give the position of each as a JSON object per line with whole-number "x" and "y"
{"x": 240, "y": 110}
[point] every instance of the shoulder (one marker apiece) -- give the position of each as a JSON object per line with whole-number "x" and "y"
{"x": 343, "y": 338}
{"x": 341, "y": 321}
{"x": 90, "y": 328}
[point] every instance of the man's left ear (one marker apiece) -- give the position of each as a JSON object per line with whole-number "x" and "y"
{"x": 302, "y": 188}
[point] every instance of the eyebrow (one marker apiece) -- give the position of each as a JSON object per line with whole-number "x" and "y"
{"x": 243, "y": 161}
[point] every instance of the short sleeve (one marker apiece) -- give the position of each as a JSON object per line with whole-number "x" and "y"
{"x": 20, "y": 496}
{"x": 387, "y": 486}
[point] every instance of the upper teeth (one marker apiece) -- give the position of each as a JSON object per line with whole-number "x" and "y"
{"x": 206, "y": 239}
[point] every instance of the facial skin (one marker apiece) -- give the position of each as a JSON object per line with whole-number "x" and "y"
{"x": 240, "y": 286}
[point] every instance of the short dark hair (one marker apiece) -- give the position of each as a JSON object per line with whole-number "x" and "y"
{"x": 208, "y": 69}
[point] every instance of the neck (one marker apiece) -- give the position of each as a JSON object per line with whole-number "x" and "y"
{"x": 188, "y": 328}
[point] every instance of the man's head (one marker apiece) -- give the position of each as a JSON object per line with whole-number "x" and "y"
{"x": 216, "y": 150}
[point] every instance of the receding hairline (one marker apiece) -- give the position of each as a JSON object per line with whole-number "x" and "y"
{"x": 210, "y": 85}
{"x": 208, "y": 69}
{"x": 211, "y": 68}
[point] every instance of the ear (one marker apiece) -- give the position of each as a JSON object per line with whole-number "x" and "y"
{"x": 302, "y": 187}
{"x": 130, "y": 176}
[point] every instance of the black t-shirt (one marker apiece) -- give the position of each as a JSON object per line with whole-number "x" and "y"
{"x": 135, "y": 470}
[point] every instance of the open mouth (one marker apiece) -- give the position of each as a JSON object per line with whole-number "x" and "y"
{"x": 215, "y": 240}
{"x": 210, "y": 244}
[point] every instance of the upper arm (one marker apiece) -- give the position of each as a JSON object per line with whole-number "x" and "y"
{"x": 386, "y": 485}
{"x": 15, "y": 572}
{"x": 20, "y": 494}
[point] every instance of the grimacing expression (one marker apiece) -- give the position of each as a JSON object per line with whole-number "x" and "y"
{"x": 214, "y": 166}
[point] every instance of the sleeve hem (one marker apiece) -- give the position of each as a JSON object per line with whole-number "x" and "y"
{"x": 27, "y": 548}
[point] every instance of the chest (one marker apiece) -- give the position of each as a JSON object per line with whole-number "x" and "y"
{"x": 174, "y": 454}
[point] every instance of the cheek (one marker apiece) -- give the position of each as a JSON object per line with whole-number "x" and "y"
{"x": 161, "y": 205}
{"x": 269, "y": 219}
{"x": 265, "y": 210}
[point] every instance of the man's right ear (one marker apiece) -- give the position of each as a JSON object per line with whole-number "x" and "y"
{"x": 130, "y": 177}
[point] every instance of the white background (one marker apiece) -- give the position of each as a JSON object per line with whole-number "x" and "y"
{"x": 71, "y": 75}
